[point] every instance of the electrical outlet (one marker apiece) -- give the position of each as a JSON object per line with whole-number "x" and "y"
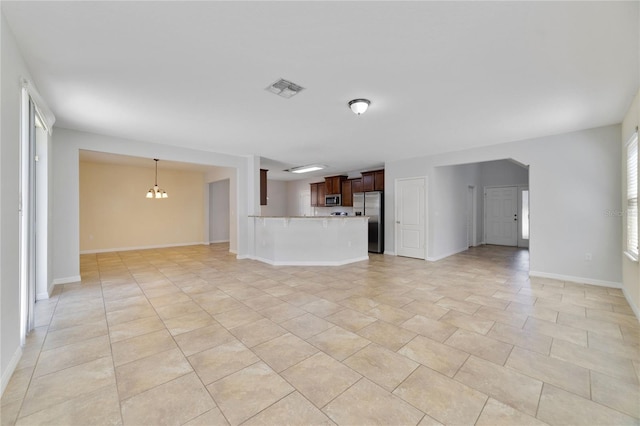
{"x": 587, "y": 257}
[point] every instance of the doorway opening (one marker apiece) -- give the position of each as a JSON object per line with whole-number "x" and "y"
{"x": 219, "y": 229}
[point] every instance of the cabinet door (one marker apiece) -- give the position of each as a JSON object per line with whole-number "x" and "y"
{"x": 356, "y": 186}
{"x": 334, "y": 184}
{"x": 321, "y": 193}
{"x": 328, "y": 184}
{"x": 347, "y": 193}
{"x": 331, "y": 185}
{"x": 368, "y": 181}
{"x": 314, "y": 194}
{"x": 263, "y": 187}
{"x": 378, "y": 180}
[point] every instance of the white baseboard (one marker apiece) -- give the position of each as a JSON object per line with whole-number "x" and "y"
{"x": 66, "y": 280}
{"x": 310, "y": 263}
{"x": 631, "y": 303}
{"x": 436, "y": 258}
{"x": 579, "y": 280}
{"x": 218, "y": 241}
{"x": 110, "y": 250}
{"x": 6, "y": 374}
{"x": 47, "y": 294}
{"x": 390, "y": 253}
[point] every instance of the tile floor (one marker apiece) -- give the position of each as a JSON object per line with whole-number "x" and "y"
{"x": 193, "y": 336}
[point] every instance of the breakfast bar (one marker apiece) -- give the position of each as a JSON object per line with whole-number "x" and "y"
{"x": 311, "y": 240}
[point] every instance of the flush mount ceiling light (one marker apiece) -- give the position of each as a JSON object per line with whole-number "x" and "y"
{"x": 307, "y": 169}
{"x": 284, "y": 88}
{"x": 359, "y": 106}
{"x": 156, "y": 192}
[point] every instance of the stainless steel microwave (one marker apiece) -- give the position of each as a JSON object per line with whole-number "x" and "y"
{"x": 332, "y": 200}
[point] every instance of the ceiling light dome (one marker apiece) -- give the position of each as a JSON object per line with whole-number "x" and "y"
{"x": 359, "y": 106}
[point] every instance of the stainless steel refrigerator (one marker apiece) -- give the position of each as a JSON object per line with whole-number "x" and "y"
{"x": 371, "y": 204}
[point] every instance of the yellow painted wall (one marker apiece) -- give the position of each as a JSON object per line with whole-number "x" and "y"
{"x": 114, "y": 213}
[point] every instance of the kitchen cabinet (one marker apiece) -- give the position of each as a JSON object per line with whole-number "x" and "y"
{"x": 373, "y": 181}
{"x": 314, "y": 194}
{"x": 347, "y": 192}
{"x": 356, "y": 185}
{"x": 333, "y": 184}
{"x": 322, "y": 191}
{"x": 370, "y": 181}
{"x": 378, "y": 180}
{"x": 263, "y": 187}
{"x": 318, "y": 191}
{"x": 367, "y": 181}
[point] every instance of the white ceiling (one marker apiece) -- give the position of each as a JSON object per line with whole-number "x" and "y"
{"x": 441, "y": 76}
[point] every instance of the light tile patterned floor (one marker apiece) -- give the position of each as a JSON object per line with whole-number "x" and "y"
{"x": 193, "y": 336}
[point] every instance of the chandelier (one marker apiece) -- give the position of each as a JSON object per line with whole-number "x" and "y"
{"x": 156, "y": 192}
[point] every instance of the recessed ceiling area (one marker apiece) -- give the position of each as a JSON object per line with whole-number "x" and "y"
{"x": 127, "y": 160}
{"x": 441, "y": 76}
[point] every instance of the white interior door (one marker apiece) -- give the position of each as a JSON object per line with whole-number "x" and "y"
{"x": 501, "y": 215}
{"x": 411, "y": 217}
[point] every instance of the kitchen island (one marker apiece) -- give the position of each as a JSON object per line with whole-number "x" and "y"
{"x": 311, "y": 240}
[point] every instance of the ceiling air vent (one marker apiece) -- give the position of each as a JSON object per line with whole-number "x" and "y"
{"x": 284, "y": 88}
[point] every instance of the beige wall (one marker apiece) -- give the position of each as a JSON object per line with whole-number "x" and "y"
{"x": 630, "y": 270}
{"x": 114, "y": 213}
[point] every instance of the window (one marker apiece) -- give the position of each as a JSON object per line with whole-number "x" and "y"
{"x": 632, "y": 197}
{"x": 524, "y": 214}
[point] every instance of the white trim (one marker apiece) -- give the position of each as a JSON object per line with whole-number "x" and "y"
{"x": 579, "y": 280}
{"x": 42, "y": 296}
{"x": 436, "y": 258}
{"x": 67, "y": 280}
{"x": 44, "y": 111}
{"x": 634, "y": 307}
{"x": 630, "y": 256}
{"x": 141, "y": 247}
{"x": 218, "y": 241}
{"x": 309, "y": 262}
{"x": 8, "y": 372}
{"x": 474, "y": 215}
{"x": 390, "y": 253}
